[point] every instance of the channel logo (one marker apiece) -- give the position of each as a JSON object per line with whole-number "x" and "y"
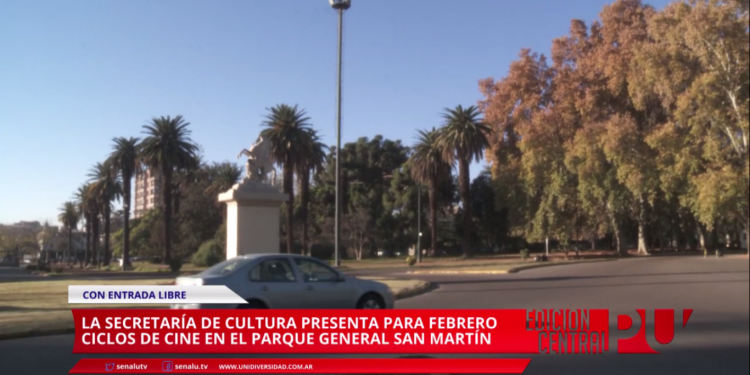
{"x": 663, "y": 331}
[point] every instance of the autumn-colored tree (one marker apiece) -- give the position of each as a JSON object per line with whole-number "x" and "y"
{"x": 697, "y": 64}
{"x": 509, "y": 103}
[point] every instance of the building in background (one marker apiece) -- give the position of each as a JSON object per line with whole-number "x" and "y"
{"x": 147, "y": 192}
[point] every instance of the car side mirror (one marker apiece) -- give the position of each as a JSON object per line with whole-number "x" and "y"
{"x": 340, "y": 278}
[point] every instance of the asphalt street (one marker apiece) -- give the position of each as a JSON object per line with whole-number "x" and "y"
{"x": 716, "y": 340}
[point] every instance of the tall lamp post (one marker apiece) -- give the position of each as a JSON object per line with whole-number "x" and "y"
{"x": 419, "y": 223}
{"x": 340, "y": 6}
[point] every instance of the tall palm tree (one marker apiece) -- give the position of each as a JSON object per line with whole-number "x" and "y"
{"x": 287, "y": 129}
{"x": 167, "y": 148}
{"x": 463, "y": 139}
{"x": 312, "y": 159}
{"x": 95, "y": 208}
{"x": 68, "y": 216}
{"x": 86, "y": 209}
{"x": 105, "y": 188}
{"x": 124, "y": 161}
{"x": 429, "y": 168}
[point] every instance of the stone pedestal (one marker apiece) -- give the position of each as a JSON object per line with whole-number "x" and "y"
{"x": 253, "y": 210}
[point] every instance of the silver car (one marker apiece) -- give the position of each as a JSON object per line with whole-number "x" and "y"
{"x": 281, "y": 281}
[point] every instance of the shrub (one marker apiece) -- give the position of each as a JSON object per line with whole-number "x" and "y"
{"x": 32, "y": 267}
{"x": 175, "y": 265}
{"x": 411, "y": 261}
{"x": 57, "y": 270}
{"x": 525, "y": 254}
{"x": 210, "y": 253}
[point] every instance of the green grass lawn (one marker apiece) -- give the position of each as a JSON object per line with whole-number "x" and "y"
{"x": 43, "y": 305}
{"x": 32, "y": 307}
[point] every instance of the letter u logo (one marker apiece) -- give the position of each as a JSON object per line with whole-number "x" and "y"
{"x": 663, "y": 331}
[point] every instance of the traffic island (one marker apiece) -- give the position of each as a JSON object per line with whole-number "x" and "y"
{"x": 404, "y": 288}
{"x": 501, "y": 269}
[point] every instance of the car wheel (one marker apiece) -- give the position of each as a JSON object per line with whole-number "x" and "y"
{"x": 253, "y": 304}
{"x": 370, "y": 302}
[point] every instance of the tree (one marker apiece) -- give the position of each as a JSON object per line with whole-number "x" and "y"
{"x": 491, "y": 223}
{"x": 429, "y": 168}
{"x": 201, "y": 215}
{"x": 166, "y": 149}
{"x": 463, "y": 139}
{"x": 86, "y": 207}
{"x": 602, "y": 196}
{"x": 225, "y": 175}
{"x": 508, "y": 105}
{"x": 124, "y": 161}
{"x": 359, "y": 229}
{"x": 68, "y": 216}
{"x": 311, "y": 161}
{"x": 697, "y": 65}
{"x": 105, "y": 188}
{"x": 628, "y": 119}
{"x": 287, "y": 129}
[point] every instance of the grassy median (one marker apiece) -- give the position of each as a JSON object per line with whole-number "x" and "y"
{"x": 32, "y": 307}
{"x": 29, "y": 308}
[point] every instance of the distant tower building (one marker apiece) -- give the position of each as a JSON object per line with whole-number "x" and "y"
{"x": 147, "y": 192}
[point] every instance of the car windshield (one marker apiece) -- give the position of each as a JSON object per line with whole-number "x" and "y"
{"x": 226, "y": 267}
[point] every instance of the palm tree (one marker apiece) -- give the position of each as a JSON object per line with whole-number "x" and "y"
{"x": 462, "y": 139}
{"x": 68, "y": 216}
{"x": 183, "y": 178}
{"x": 311, "y": 160}
{"x": 105, "y": 188}
{"x": 429, "y": 168}
{"x": 86, "y": 209}
{"x": 224, "y": 176}
{"x": 166, "y": 149}
{"x": 124, "y": 161}
{"x": 95, "y": 212}
{"x": 287, "y": 129}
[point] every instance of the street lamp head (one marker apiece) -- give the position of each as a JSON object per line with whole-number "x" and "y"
{"x": 340, "y": 4}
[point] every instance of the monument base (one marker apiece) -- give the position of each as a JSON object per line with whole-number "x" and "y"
{"x": 253, "y": 212}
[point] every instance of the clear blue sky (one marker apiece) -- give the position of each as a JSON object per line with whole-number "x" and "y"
{"x": 74, "y": 74}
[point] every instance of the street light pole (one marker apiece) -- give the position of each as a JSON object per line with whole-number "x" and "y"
{"x": 340, "y": 6}
{"x": 419, "y": 223}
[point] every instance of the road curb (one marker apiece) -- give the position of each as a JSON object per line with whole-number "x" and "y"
{"x": 422, "y": 287}
{"x": 503, "y": 272}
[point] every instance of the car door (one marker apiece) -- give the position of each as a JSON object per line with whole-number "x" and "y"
{"x": 324, "y": 286}
{"x": 275, "y": 281}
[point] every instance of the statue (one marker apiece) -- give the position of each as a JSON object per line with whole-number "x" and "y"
{"x": 259, "y": 162}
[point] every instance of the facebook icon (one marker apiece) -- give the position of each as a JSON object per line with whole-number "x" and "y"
{"x": 167, "y": 366}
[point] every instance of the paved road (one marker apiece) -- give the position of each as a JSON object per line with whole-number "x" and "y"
{"x": 715, "y": 341}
